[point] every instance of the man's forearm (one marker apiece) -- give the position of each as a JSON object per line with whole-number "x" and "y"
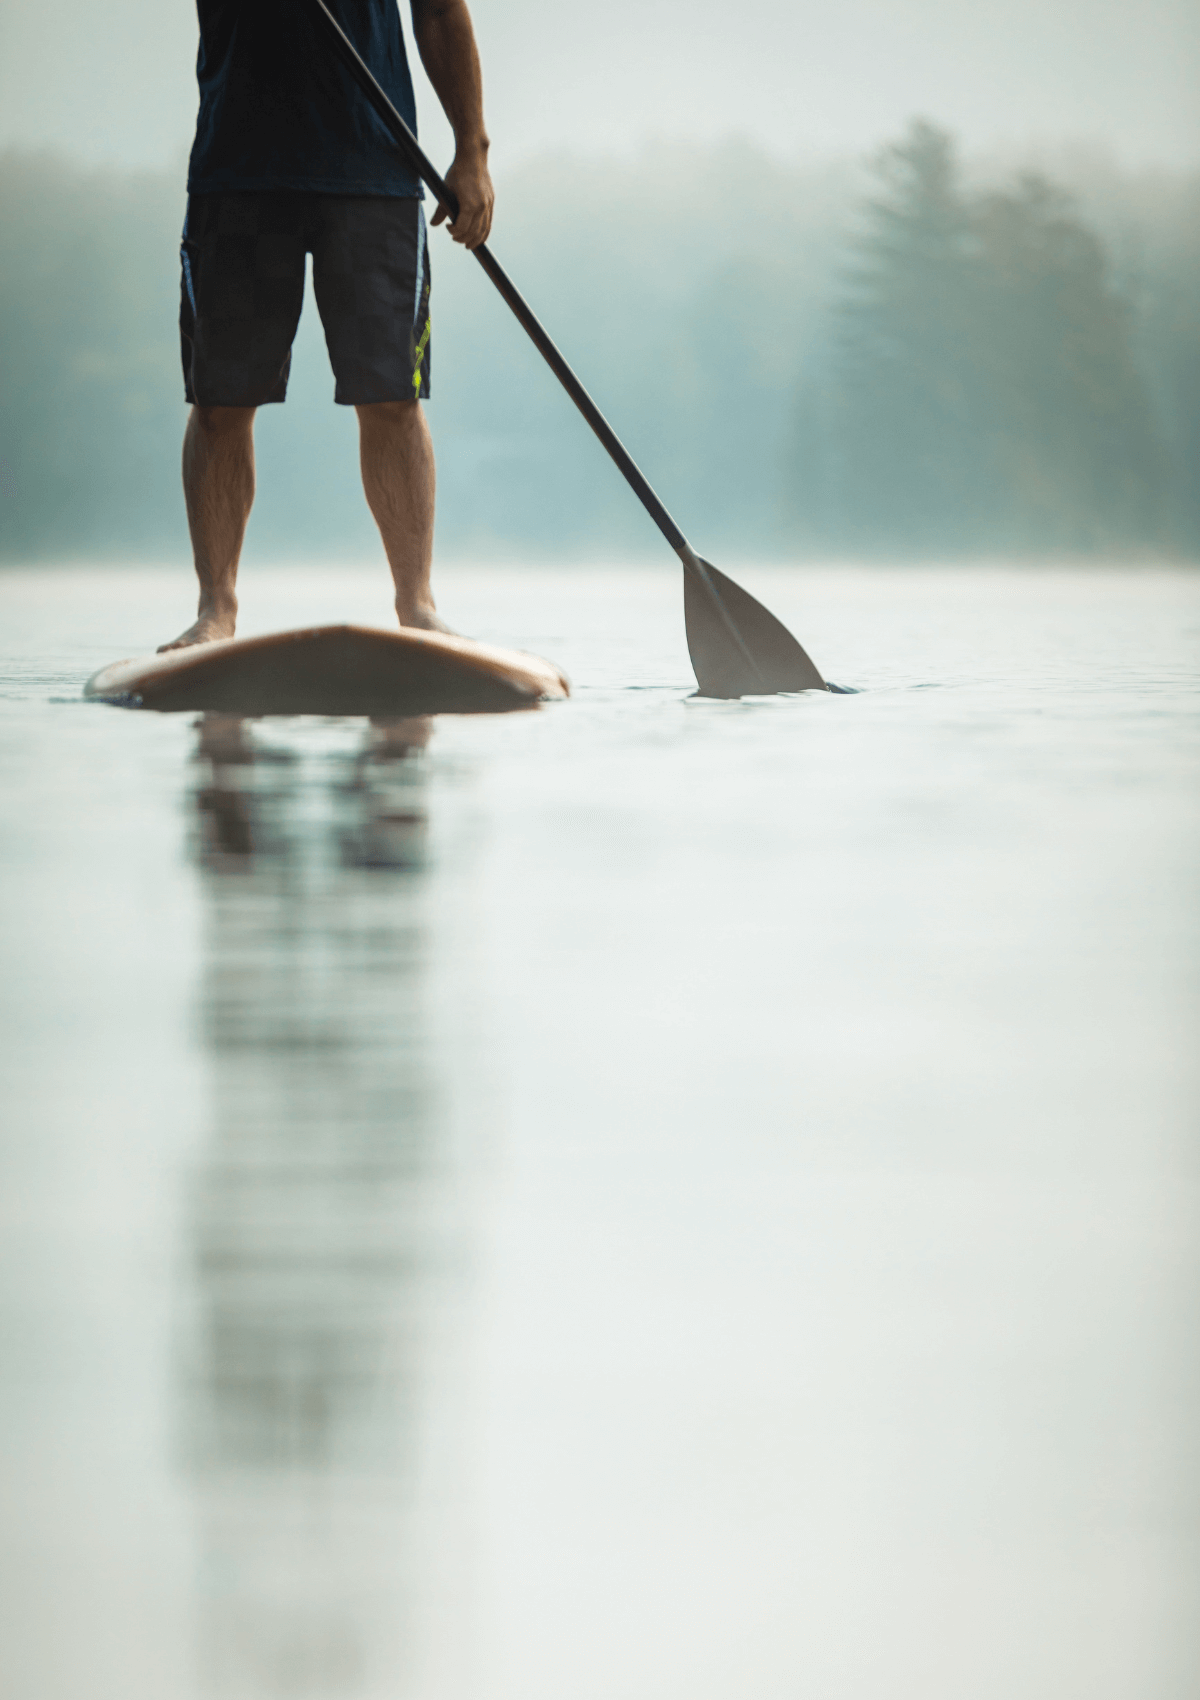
{"x": 445, "y": 40}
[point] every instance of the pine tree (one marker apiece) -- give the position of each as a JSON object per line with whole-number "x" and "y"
{"x": 1075, "y": 454}
{"x": 904, "y": 385}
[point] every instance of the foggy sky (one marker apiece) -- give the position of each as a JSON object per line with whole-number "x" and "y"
{"x": 116, "y": 82}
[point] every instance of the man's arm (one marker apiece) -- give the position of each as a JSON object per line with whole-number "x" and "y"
{"x": 446, "y": 42}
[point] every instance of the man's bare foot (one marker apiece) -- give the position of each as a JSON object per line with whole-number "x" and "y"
{"x": 425, "y": 619}
{"x": 207, "y": 629}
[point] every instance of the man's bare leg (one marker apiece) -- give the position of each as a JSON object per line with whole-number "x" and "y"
{"x": 399, "y": 480}
{"x": 218, "y": 486}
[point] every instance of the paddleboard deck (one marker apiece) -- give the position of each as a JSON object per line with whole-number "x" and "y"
{"x": 335, "y": 670}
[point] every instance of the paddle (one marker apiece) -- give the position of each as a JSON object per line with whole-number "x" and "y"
{"x": 737, "y": 647}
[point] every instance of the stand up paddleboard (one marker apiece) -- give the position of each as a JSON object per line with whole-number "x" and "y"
{"x": 343, "y": 670}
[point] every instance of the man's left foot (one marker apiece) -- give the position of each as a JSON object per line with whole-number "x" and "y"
{"x": 427, "y": 620}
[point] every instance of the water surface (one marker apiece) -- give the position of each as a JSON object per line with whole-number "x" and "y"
{"x": 649, "y": 1198}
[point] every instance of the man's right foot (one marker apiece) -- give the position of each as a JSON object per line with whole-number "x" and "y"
{"x": 207, "y": 629}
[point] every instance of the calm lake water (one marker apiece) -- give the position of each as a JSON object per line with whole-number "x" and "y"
{"x": 644, "y": 1200}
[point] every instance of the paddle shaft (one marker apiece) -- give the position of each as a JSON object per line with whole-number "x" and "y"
{"x": 423, "y": 166}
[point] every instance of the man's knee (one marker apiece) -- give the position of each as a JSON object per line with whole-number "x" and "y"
{"x": 222, "y": 422}
{"x": 393, "y": 415}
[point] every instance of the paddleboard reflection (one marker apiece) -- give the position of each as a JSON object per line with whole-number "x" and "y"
{"x": 321, "y": 1356}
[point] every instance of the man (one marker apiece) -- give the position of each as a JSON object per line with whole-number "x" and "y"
{"x": 290, "y": 159}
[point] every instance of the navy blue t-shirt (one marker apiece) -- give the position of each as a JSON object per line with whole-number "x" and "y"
{"x": 277, "y": 111}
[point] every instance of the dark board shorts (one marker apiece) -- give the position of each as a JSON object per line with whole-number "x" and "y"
{"x": 243, "y": 285}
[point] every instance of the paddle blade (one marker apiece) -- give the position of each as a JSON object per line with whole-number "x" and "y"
{"x": 738, "y": 647}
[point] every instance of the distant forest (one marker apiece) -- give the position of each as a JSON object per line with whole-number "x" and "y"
{"x": 918, "y": 358}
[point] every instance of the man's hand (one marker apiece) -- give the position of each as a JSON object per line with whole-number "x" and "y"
{"x": 472, "y": 183}
{"x": 446, "y": 42}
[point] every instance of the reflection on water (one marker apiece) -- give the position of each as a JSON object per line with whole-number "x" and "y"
{"x": 678, "y": 1199}
{"x": 321, "y": 1218}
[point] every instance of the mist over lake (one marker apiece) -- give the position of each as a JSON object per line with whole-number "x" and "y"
{"x": 790, "y": 383}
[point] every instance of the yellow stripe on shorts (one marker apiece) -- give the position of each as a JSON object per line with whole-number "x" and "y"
{"x": 421, "y": 347}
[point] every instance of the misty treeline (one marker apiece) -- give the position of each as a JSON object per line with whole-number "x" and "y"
{"x": 908, "y": 359}
{"x": 981, "y": 387}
